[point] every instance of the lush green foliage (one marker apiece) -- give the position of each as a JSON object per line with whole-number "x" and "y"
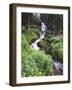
{"x": 35, "y": 63}
{"x": 29, "y": 36}
{"x": 41, "y": 62}
{"x": 57, "y": 48}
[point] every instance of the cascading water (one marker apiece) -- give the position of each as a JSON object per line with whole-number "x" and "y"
{"x": 42, "y": 33}
{"x": 34, "y": 45}
{"x": 57, "y": 65}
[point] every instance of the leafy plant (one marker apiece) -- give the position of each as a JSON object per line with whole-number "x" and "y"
{"x": 43, "y": 62}
{"x": 57, "y": 49}
{"x": 35, "y": 63}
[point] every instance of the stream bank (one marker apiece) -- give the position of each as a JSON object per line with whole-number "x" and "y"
{"x": 57, "y": 65}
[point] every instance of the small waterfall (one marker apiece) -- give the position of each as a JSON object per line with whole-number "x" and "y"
{"x": 42, "y": 33}
{"x": 34, "y": 44}
{"x": 58, "y": 67}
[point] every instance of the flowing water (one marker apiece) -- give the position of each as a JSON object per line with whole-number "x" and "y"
{"x": 34, "y": 44}
{"x": 58, "y": 67}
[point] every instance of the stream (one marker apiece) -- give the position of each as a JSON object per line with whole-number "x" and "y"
{"x": 34, "y": 44}
{"x": 58, "y": 67}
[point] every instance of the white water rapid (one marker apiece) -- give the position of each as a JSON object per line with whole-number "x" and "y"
{"x": 42, "y": 33}
{"x": 34, "y": 44}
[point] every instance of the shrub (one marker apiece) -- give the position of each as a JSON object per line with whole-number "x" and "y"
{"x": 25, "y": 47}
{"x": 57, "y": 49}
{"x": 37, "y": 64}
{"x": 30, "y": 36}
{"x": 43, "y": 62}
{"x": 29, "y": 67}
{"x": 55, "y": 39}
